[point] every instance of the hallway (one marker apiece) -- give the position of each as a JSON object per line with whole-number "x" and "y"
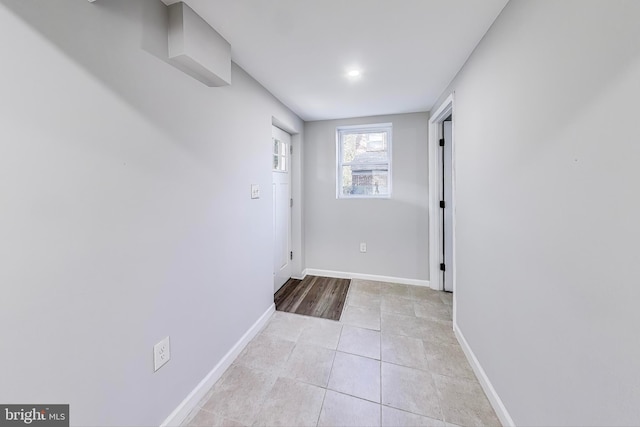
{"x": 392, "y": 360}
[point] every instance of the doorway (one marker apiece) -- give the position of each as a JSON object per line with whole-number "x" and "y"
{"x": 281, "y": 190}
{"x": 446, "y": 204}
{"x": 442, "y": 242}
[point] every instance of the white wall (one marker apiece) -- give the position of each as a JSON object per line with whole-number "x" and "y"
{"x": 547, "y": 155}
{"x": 125, "y": 211}
{"x": 395, "y": 230}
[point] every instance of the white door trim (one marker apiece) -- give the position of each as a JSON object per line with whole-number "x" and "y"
{"x": 297, "y": 236}
{"x": 282, "y": 272}
{"x": 435, "y": 183}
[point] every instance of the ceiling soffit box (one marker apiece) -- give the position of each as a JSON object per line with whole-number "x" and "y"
{"x": 196, "y": 48}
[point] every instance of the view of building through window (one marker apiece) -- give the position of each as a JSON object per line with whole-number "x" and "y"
{"x": 364, "y": 161}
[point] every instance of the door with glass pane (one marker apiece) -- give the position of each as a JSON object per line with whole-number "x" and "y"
{"x": 281, "y": 159}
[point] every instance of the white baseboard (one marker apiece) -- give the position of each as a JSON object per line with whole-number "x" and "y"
{"x": 348, "y": 275}
{"x": 302, "y": 275}
{"x": 492, "y": 395}
{"x": 191, "y": 401}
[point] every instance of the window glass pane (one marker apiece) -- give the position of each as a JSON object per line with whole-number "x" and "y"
{"x": 365, "y": 180}
{"x": 364, "y": 161}
{"x": 368, "y": 147}
{"x": 283, "y": 163}
{"x": 347, "y": 182}
{"x": 276, "y": 162}
{"x": 276, "y": 145}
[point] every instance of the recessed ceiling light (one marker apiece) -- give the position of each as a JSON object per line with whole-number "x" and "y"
{"x": 353, "y": 73}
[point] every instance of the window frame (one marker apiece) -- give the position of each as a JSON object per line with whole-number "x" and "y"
{"x": 340, "y": 164}
{"x": 282, "y": 156}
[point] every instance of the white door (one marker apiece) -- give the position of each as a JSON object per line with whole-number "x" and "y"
{"x": 281, "y": 142}
{"x": 448, "y": 209}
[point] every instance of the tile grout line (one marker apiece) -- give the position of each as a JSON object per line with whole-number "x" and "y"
{"x": 438, "y": 397}
{"x": 406, "y": 411}
{"x": 324, "y": 397}
{"x": 431, "y": 374}
{"x": 329, "y": 379}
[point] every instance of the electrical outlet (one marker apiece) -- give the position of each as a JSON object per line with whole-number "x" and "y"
{"x": 363, "y": 247}
{"x": 161, "y": 354}
{"x": 255, "y": 191}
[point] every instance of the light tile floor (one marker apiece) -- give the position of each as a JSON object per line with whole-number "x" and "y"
{"x": 392, "y": 360}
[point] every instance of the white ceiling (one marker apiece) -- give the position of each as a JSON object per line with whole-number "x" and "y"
{"x": 301, "y": 50}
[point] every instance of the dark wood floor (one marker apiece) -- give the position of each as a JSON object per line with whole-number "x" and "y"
{"x": 314, "y": 296}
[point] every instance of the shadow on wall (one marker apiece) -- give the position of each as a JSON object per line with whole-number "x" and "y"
{"x": 96, "y": 36}
{"x": 560, "y": 59}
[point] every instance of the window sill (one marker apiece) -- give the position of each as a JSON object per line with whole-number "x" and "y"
{"x": 341, "y": 197}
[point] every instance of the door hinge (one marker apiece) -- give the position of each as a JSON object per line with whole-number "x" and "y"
{"x": 441, "y": 142}
{"x": 442, "y": 267}
{"x": 443, "y": 204}
{"x": 291, "y": 255}
{"x": 290, "y": 203}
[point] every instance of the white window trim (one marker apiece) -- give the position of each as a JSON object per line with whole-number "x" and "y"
{"x": 366, "y": 128}
{"x": 286, "y": 157}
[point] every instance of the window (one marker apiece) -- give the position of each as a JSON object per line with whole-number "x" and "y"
{"x": 279, "y": 155}
{"x": 364, "y": 161}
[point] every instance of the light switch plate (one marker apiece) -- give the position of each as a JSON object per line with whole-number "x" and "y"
{"x": 363, "y": 247}
{"x": 161, "y": 354}
{"x": 255, "y": 191}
